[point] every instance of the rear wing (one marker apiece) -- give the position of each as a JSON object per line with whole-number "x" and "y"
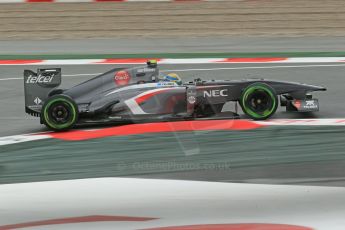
{"x": 37, "y": 87}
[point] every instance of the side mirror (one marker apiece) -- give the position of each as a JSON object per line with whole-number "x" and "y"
{"x": 152, "y": 63}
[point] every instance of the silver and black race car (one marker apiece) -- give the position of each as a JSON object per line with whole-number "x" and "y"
{"x": 139, "y": 94}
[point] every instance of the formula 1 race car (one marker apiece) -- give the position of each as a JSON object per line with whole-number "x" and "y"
{"x": 139, "y": 94}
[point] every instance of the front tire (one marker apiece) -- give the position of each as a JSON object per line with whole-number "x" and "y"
{"x": 59, "y": 113}
{"x": 259, "y": 101}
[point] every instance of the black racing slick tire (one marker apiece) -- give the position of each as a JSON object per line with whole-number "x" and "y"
{"x": 259, "y": 101}
{"x": 59, "y": 113}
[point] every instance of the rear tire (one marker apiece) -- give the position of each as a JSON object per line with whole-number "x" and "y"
{"x": 259, "y": 101}
{"x": 59, "y": 113}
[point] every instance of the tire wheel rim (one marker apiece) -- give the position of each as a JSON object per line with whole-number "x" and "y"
{"x": 60, "y": 114}
{"x": 259, "y": 102}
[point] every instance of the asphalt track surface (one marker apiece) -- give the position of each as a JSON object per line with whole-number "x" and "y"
{"x": 168, "y": 45}
{"x": 275, "y": 155}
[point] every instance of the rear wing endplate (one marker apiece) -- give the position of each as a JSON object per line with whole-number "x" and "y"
{"x": 37, "y": 87}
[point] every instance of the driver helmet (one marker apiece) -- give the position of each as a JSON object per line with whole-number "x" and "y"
{"x": 172, "y": 77}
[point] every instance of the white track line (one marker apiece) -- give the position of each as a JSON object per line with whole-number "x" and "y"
{"x": 120, "y": 61}
{"x": 81, "y": 74}
{"x": 304, "y": 122}
{"x": 21, "y": 138}
{"x": 254, "y": 67}
{"x": 10, "y": 79}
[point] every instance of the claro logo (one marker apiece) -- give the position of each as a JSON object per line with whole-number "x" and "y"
{"x": 122, "y": 78}
{"x": 216, "y": 93}
{"x": 40, "y": 79}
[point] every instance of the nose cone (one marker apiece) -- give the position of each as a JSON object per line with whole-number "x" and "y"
{"x": 317, "y": 88}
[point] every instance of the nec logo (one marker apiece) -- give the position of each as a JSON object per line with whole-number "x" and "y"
{"x": 216, "y": 93}
{"x": 40, "y": 79}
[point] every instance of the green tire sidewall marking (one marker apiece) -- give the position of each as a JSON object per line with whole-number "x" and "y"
{"x": 267, "y": 112}
{"x": 55, "y": 126}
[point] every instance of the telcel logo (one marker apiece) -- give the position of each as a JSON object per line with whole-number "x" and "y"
{"x": 40, "y": 79}
{"x": 216, "y": 93}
